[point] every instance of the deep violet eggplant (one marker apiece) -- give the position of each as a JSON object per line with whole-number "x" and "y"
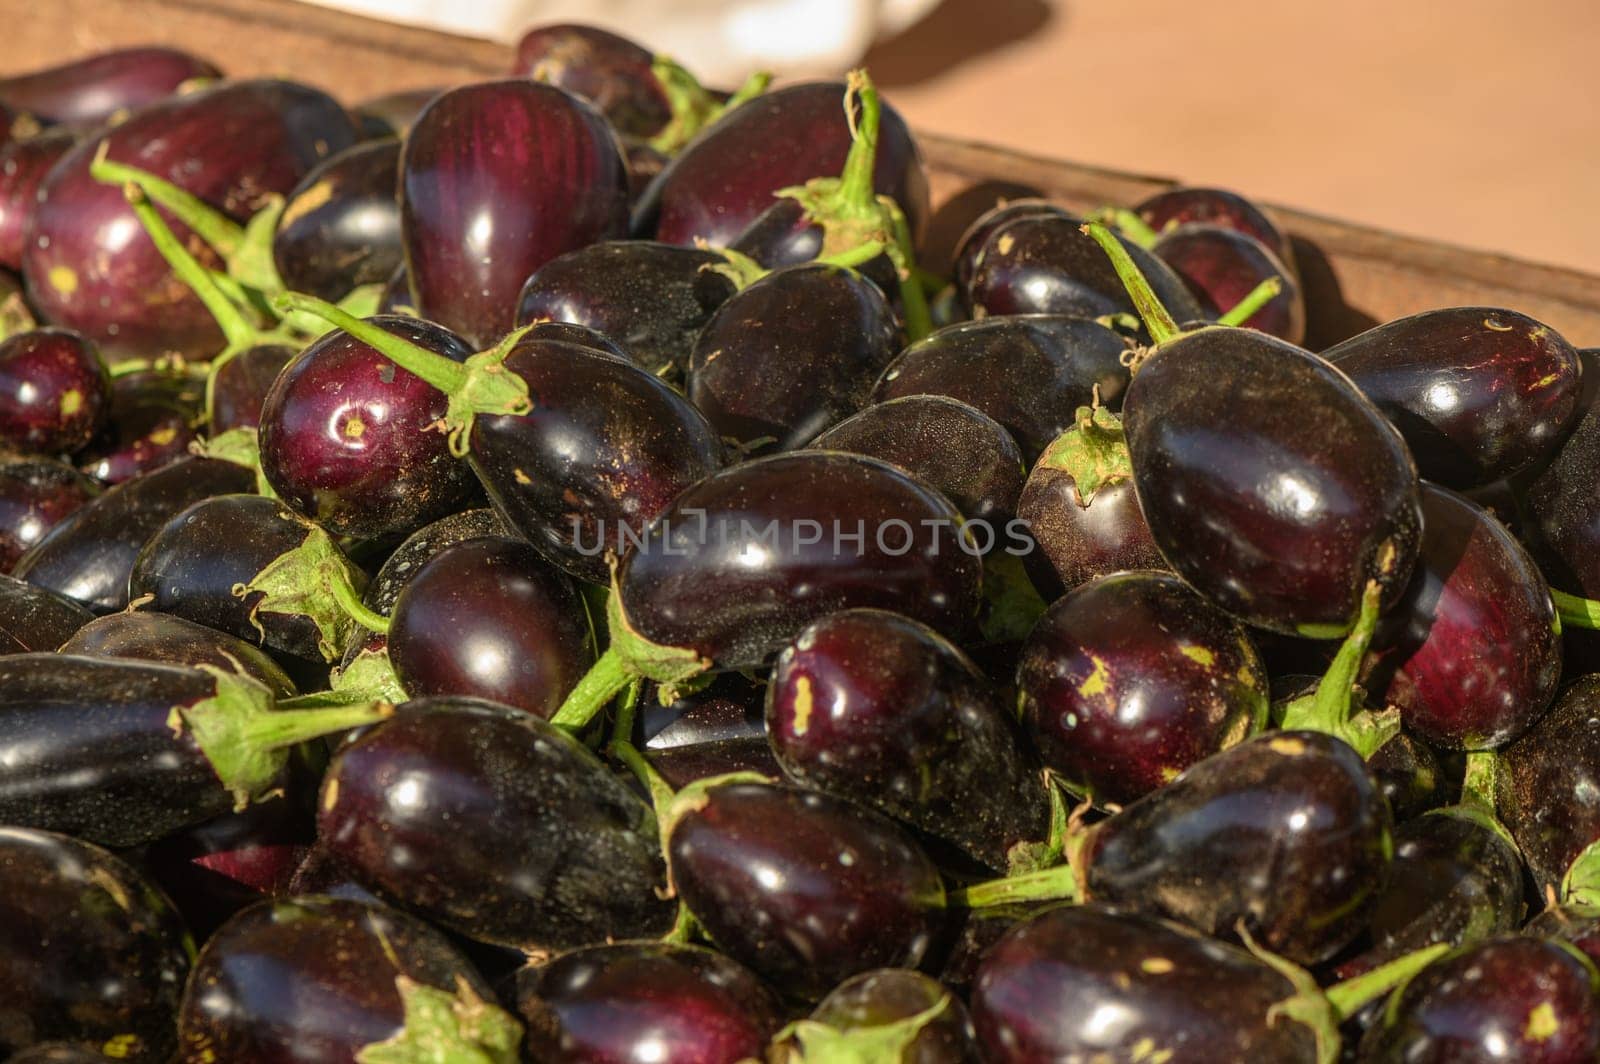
{"x": 1547, "y": 784}
{"x": 35, "y": 495}
{"x": 340, "y": 227}
{"x": 92, "y": 89}
{"x": 55, "y": 392}
{"x": 23, "y": 166}
{"x": 35, "y": 619}
{"x": 164, "y": 638}
{"x": 610, "y": 71}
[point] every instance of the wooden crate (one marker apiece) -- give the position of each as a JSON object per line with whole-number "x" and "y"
{"x": 1355, "y": 276}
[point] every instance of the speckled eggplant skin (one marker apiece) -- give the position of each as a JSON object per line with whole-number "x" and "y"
{"x": 1507, "y": 999}
{"x": 33, "y": 619}
{"x": 1221, "y": 266}
{"x": 311, "y": 979}
{"x": 1309, "y": 494}
{"x": 152, "y": 424}
{"x": 55, "y": 393}
{"x": 340, "y": 227}
{"x": 171, "y": 640}
{"x": 90, "y": 554}
{"x": 722, "y": 180}
{"x": 652, "y": 299}
{"x": 1030, "y": 373}
{"x": 692, "y": 584}
{"x": 532, "y": 842}
{"x": 603, "y": 451}
{"x": 1563, "y": 525}
{"x": 1077, "y": 540}
{"x": 876, "y": 708}
{"x": 23, "y": 166}
{"x": 93, "y": 951}
{"x": 88, "y": 264}
{"x": 1472, "y": 652}
{"x": 1480, "y": 393}
{"x": 1042, "y": 992}
{"x": 1547, "y": 791}
{"x": 1285, "y": 832}
{"x": 423, "y": 544}
{"x": 497, "y": 179}
{"x": 1132, "y": 678}
{"x": 632, "y": 1000}
{"x": 803, "y": 888}
{"x": 89, "y": 90}
{"x": 1577, "y": 924}
{"x": 972, "y": 241}
{"x": 791, "y": 355}
{"x": 35, "y": 495}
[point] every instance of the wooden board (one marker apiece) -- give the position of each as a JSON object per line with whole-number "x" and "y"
{"x": 1355, "y": 275}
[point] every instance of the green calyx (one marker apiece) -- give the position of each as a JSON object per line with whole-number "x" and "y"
{"x": 1011, "y": 604}
{"x": 629, "y": 657}
{"x": 1580, "y": 886}
{"x": 1129, "y": 224}
{"x": 693, "y": 107}
{"x": 15, "y": 315}
{"x": 241, "y": 446}
{"x": 1063, "y": 882}
{"x": 1307, "y": 1006}
{"x": 368, "y": 678}
{"x": 1334, "y": 708}
{"x": 1093, "y": 452}
{"x": 445, "y": 1028}
{"x": 695, "y": 796}
{"x": 305, "y": 581}
{"x": 811, "y": 1042}
{"x": 246, "y": 739}
{"x": 1029, "y": 856}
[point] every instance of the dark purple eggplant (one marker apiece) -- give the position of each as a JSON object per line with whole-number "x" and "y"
{"x": 582, "y": 335}
{"x": 88, "y": 265}
{"x": 161, "y": 637}
{"x": 1131, "y": 679}
{"x": 1029, "y": 373}
{"x": 326, "y": 979}
{"x": 1578, "y": 924}
{"x": 23, "y": 166}
{"x": 731, "y": 706}
{"x": 94, "y": 88}
{"x": 1222, "y": 266}
{"x": 652, "y": 299}
{"x": 90, "y": 554}
{"x": 791, "y": 355}
{"x": 892, "y": 1015}
{"x": 496, "y": 180}
{"x": 642, "y": 1000}
{"x": 609, "y": 71}
{"x": 394, "y": 113}
{"x": 35, "y": 495}
{"x": 803, "y": 888}
{"x": 680, "y": 766}
{"x": 239, "y": 387}
{"x": 35, "y": 619}
{"x": 971, "y": 242}
{"x": 492, "y": 822}
{"x": 55, "y": 393}
{"x": 422, "y": 545}
{"x": 489, "y": 618}
{"x": 340, "y": 227}
{"x": 1414, "y": 777}
{"x": 1548, "y": 783}
{"x": 151, "y": 425}
{"x": 1214, "y": 206}
{"x": 92, "y": 951}
{"x": 1479, "y": 393}
{"x": 878, "y": 709}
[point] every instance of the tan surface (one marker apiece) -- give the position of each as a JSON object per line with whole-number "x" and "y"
{"x": 1471, "y": 121}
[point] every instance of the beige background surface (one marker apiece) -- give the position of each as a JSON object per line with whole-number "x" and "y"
{"x": 1472, "y": 121}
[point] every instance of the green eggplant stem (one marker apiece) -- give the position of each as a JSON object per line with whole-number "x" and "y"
{"x": 1332, "y": 704}
{"x": 856, "y": 179}
{"x": 1157, "y": 319}
{"x": 1348, "y": 997}
{"x": 606, "y": 678}
{"x": 433, "y": 368}
{"x": 661, "y": 792}
{"x": 753, "y": 86}
{"x": 914, "y": 303}
{"x": 1132, "y": 226}
{"x": 1575, "y": 610}
{"x": 1050, "y": 884}
{"x": 223, "y": 234}
{"x": 1258, "y": 297}
{"x": 290, "y": 727}
{"x": 344, "y": 593}
{"x": 235, "y": 329}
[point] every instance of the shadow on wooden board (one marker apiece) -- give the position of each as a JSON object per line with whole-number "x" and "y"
{"x": 956, "y": 32}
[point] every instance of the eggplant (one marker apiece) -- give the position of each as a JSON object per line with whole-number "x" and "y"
{"x": 164, "y": 638}
{"x": 91, "y": 90}
{"x": 33, "y": 618}
{"x": 340, "y": 227}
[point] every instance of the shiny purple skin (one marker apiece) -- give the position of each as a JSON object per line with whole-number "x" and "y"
{"x": 694, "y": 583}
{"x": 346, "y": 435}
{"x": 637, "y": 1001}
{"x": 1215, "y": 206}
{"x": 422, "y": 546}
{"x": 171, "y": 640}
{"x": 683, "y": 765}
{"x": 609, "y": 71}
{"x": 1519, "y": 999}
{"x": 890, "y": 995}
{"x": 1270, "y": 484}
{"x": 731, "y": 706}
{"x": 945, "y": 443}
{"x": 530, "y": 841}
{"x": 33, "y": 619}
{"x": 977, "y": 234}
{"x": 1077, "y": 540}
{"x": 1547, "y": 790}
{"x": 804, "y": 889}
{"x": 89, "y": 555}
{"x": 311, "y": 979}
{"x": 1132, "y": 678}
{"x": 92, "y": 89}
{"x": 791, "y": 355}
{"x": 490, "y": 618}
{"x": 726, "y": 176}
{"x": 878, "y": 709}
{"x": 606, "y": 447}
{"x": 1030, "y": 373}
{"x": 55, "y": 392}
{"x": 582, "y": 335}
{"x": 23, "y": 166}
{"x": 497, "y": 179}
{"x": 35, "y": 495}
{"x": 783, "y": 235}
{"x": 1285, "y": 832}
{"x": 1044, "y": 991}
{"x": 89, "y": 265}
{"x": 93, "y": 951}
{"x": 239, "y": 389}
{"x": 1479, "y": 393}
{"x": 651, "y": 299}
{"x": 1222, "y": 266}
{"x": 340, "y": 227}
{"x": 1042, "y": 263}
{"x": 151, "y": 425}
{"x": 1413, "y": 776}
{"x": 1471, "y": 654}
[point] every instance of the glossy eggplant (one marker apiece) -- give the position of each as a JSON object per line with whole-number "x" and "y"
{"x": 1222, "y": 266}
{"x": 1214, "y": 206}
{"x": 903, "y": 1016}
{"x": 90, "y": 554}
{"x": 55, "y": 393}
{"x": 35, "y": 495}
{"x": 34, "y": 619}
{"x": 489, "y": 618}
{"x": 1270, "y": 484}
{"x": 1414, "y": 777}
{"x": 89, "y": 265}
{"x": 791, "y": 355}
{"x": 1132, "y": 678}
{"x": 94, "y": 88}
{"x": 609, "y": 71}
{"x": 497, "y": 179}
{"x": 731, "y": 706}
{"x": 1578, "y": 924}
{"x": 163, "y": 638}
{"x": 340, "y": 227}
{"x": 652, "y": 299}
{"x": 151, "y": 425}
{"x": 680, "y": 766}
{"x": 93, "y": 951}
{"x": 240, "y": 386}
{"x": 1547, "y": 789}
{"x": 23, "y": 166}
{"x": 803, "y": 888}
{"x": 421, "y": 546}
{"x": 57, "y": 1053}
{"x": 972, "y": 240}
{"x": 529, "y": 840}
{"x": 637, "y": 1000}
{"x": 881, "y": 710}
{"x": 1029, "y": 373}
{"x": 1479, "y": 393}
